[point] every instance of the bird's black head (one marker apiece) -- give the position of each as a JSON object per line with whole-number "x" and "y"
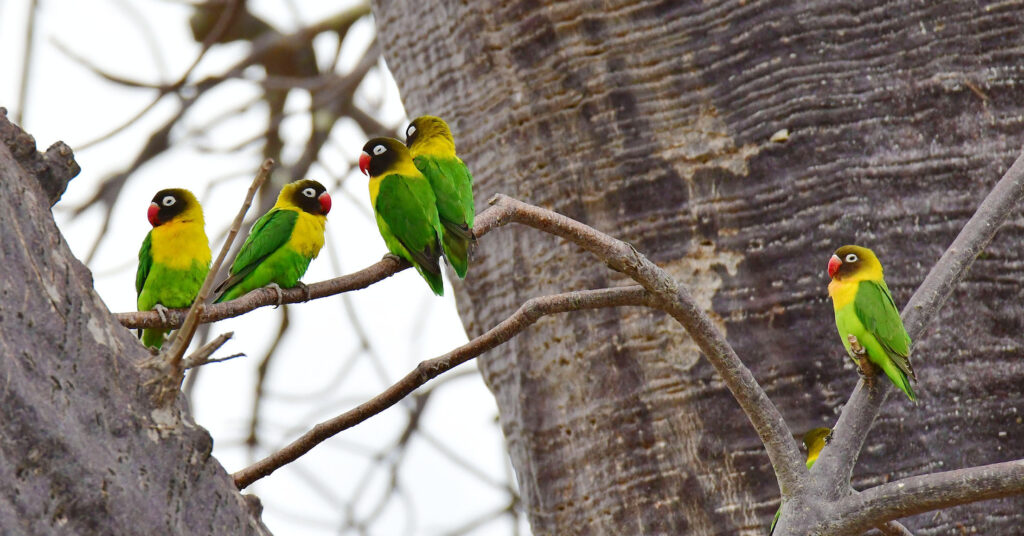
{"x": 169, "y": 204}
{"x": 380, "y": 155}
{"x": 308, "y": 195}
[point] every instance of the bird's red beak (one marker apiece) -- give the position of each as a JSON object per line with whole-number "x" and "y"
{"x": 364, "y": 163}
{"x": 833, "y": 266}
{"x": 154, "y": 209}
{"x": 325, "y": 203}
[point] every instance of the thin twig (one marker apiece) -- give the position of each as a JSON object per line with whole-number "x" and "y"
{"x": 218, "y": 360}
{"x": 917, "y": 494}
{"x": 26, "y": 65}
{"x": 202, "y": 355}
{"x": 835, "y": 466}
{"x": 172, "y": 356}
{"x": 677, "y": 301}
{"x": 532, "y": 310}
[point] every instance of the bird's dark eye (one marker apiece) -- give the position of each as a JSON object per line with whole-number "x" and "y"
{"x": 379, "y": 150}
{"x": 309, "y": 192}
{"x": 168, "y": 200}
{"x": 410, "y": 131}
{"x": 851, "y": 257}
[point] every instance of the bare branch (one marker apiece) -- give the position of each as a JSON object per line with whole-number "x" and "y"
{"x": 263, "y": 297}
{"x": 172, "y": 356}
{"x": 532, "y": 310}
{"x": 837, "y": 461}
{"x": 676, "y": 300}
{"x": 917, "y": 494}
{"x": 202, "y": 355}
{"x": 893, "y": 528}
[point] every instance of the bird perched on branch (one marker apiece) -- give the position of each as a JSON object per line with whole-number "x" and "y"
{"x": 405, "y": 207}
{"x": 174, "y": 258}
{"x": 865, "y": 309}
{"x": 814, "y": 440}
{"x": 282, "y": 242}
{"x": 432, "y": 148}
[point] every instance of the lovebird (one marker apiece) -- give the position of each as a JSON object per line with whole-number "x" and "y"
{"x": 174, "y": 258}
{"x": 282, "y": 242}
{"x": 405, "y": 207}
{"x": 815, "y": 440}
{"x": 433, "y": 152}
{"x": 864, "y": 308}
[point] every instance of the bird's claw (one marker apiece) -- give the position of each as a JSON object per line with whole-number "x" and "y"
{"x": 280, "y": 294}
{"x": 161, "y": 311}
{"x": 391, "y": 256}
{"x": 306, "y": 296}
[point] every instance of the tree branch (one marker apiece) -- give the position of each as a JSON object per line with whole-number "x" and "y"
{"x": 893, "y": 528}
{"x": 527, "y": 314}
{"x": 835, "y": 466}
{"x": 676, "y": 300}
{"x": 917, "y": 494}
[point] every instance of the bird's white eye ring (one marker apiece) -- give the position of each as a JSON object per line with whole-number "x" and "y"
{"x": 168, "y": 200}
{"x": 309, "y": 192}
{"x": 379, "y": 150}
{"x": 411, "y": 130}
{"x": 851, "y": 257}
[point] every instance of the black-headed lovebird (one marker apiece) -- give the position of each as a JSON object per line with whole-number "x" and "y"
{"x": 815, "y": 440}
{"x": 432, "y": 148}
{"x": 281, "y": 243}
{"x": 865, "y": 309}
{"x": 174, "y": 258}
{"x": 405, "y": 207}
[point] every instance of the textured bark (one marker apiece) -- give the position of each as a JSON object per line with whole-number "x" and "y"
{"x": 84, "y": 450}
{"x": 651, "y": 120}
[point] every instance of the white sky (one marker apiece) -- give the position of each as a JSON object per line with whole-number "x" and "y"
{"x": 405, "y": 322}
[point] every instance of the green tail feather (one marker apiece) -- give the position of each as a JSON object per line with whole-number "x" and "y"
{"x": 455, "y": 242}
{"x": 900, "y": 379}
{"x": 154, "y": 338}
{"x": 433, "y": 279}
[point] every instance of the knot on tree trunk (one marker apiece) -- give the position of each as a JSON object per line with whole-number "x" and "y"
{"x": 52, "y": 170}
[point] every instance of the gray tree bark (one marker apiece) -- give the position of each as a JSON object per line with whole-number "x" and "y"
{"x": 83, "y": 448}
{"x": 653, "y": 121}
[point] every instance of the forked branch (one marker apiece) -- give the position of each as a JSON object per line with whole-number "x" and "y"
{"x": 835, "y": 466}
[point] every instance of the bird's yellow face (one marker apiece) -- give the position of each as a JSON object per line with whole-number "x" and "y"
{"x": 815, "y": 440}
{"x": 306, "y": 195}
{"x": 854, "y": 263}
{"x": 174, "y": 205}
{"x": 429, "y": 135}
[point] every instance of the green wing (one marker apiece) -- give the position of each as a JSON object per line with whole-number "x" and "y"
{"x": 877, "y": 312}
{"x": 407, "y": 206}
{"x": 145, "y": 263}
{"x": 269, "y": 233}
{"x": 452, "y": 185}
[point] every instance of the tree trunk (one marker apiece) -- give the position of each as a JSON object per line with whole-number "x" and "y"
{"x": 84, "y": 449}
{"x": 654, "y": 121}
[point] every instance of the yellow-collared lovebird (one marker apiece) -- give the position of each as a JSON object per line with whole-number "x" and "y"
{"x": 174, "y": 258}
{"x": 432, "y": 148}
{"x": 282, "y": 242}
{"x": 815, "y": 440}
{"x": 864, "y": 308}
{"x": 405, "y": 207}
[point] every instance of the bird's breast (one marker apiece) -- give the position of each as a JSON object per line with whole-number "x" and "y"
{"x": 308, "y": 236}
{"x": 177, "y": 245}
{"x": 842, "y": 292}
